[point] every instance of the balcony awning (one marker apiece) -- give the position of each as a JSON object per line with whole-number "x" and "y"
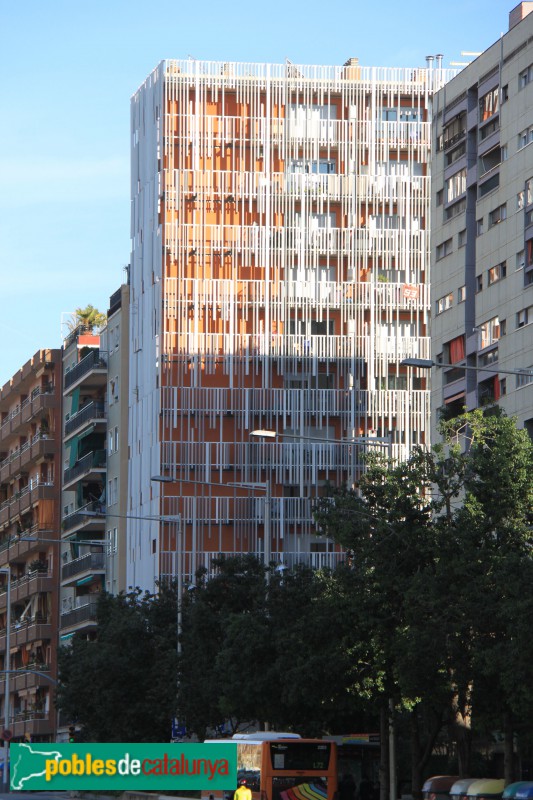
{"x": 87, "y": 432}
{"x": 88, "y": 579}
{"x": 65, "y": 636}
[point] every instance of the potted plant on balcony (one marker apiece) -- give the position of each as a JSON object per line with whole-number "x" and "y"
{"x": 38, "y": 565}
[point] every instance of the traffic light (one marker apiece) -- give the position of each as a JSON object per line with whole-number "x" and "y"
{"x": 72, "y": 734}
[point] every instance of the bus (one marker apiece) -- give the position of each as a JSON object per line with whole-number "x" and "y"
{"x": 283, "y": 766}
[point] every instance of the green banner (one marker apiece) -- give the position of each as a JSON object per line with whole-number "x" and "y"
{"x": 72, "y": 767}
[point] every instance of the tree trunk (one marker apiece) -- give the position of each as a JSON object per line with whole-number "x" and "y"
{"x": 384, "y": 753}
{"x": 508, "y": 749}
{"x": 421, "y": 751}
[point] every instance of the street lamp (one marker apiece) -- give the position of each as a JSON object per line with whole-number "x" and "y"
{"x": 428, "y": 363}
{"x": 7, "y": 664}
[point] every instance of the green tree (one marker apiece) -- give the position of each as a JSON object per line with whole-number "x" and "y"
{"x": 88, "y": 318}
{"x": 121, "y": 686}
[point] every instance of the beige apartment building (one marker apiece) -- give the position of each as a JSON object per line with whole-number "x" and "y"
{"x": 482, "y": 230}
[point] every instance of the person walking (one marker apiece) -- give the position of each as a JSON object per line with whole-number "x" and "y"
{"x": 242, "y": 792}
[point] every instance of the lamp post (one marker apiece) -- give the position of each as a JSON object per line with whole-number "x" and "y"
{"x": 386, "y": 441}
{"x": 7, "y": 664}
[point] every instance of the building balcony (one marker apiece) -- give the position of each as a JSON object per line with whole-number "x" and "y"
{"x": 21, "y": 502}
{"x": 91, "y": 372}
{"x": 78, "y": 520}
{"x": 90, "y": 467}
{"x": 40, "y": 446}
{"x": 36, "y": 723}
{"x": 35, "y": 404}
{"x": 90, "y": 415}
{"x": 28, "y": 630}
{"x": 26, "y": 679}
{"x": 83, "y": 615}
{"x": 80, "y": 570}
{"x": 36, "y": 581}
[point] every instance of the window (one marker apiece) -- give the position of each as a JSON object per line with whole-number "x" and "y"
{"x": 504, "y": 93}
{"x": 479, "y": 283}
{"x": 525, "y": 137}
{"x": 444, "y": 303}
{"x": 110, "y": 443}
{"x": 461, "y": 238}
{"x": 524, "y": 317}
{"x": 520, "y": 259}
{"x": 491, "y": 331}
{"x": 497, "y": 215}
{"x": 451, "y": 157}
{"x": 444, "y": 249}
{"x": 503, "y": 386}
{"x": 490, "y": 160}
{"x": 306, "y": 166}
{"x": 116, "y": 438}
{"x": 456, "y": 186}
{"x": 440, "y": 196}
{"x": 479, "y": 226}
{"x": 461, "y": 294}
{"x": 525, "y": 77}
{"x": 112, "y": 486}
{"x": 492, "y": 183}
{"x": 489, "y": 104}
{"x": 488, "y": 129}
{"x": 520, "y": 200}
{"x": 455, "y": 209}
{"x": 505, "y": 152}
{"x": 525, "y": 379}
{"x": 529, "y": 191}
{"x": 454, "y": 131}
{"x": 496, "y": 273}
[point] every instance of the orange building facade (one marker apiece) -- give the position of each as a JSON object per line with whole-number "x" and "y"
{"x": 279, "y": 275}
{"x": 30, "y": 476}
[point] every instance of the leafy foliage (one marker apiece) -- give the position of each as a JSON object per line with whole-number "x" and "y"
{"x": 121, "y": 687}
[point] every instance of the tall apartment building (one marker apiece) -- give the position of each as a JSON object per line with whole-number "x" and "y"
{"x": 279, "y": 275}
{"x": 85, "y": 409}
{"x": 482, "y": 229}
{"x": 30, "y": 475}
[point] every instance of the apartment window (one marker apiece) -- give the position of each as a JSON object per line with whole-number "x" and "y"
{"x": 110, "y": 443}
{"x": 505, "y": 152}
{"x": 490, "y": 160}
{"x": 454, "y": 131}
{"x": 488, "y": 129}
{"x": 524, "y": 317}
{"x": 520, "y": 259}
{"x": 489, "y": 185}
{"x": 444, "y": 249}
{"x": 461, "y": 294}
{"x": 451, "y": 157}
{"x": 496, "y": 273}
{"x": 455, "y": 209}
{"x": 112, "y": 486}
{"x": 491, "y": 331}
{"x": 525, "y": 137}
{"x": 525, "y": 379}
{"x": 461, "y": 238}
{"x": 479, "y": 283}
{"x": 115, "y": 434}
{"x": 525, "y": 77}
{"x": 440, "y": 197}
{"x": 504, "y": 93}
{"x": 497, "y": 215}
{"x": 529, "y": 191}
{"x": 456, "y": 186}
{"x": 479, "y": 226}
{"x": 503, "y": 386}
{"x": 520, "y": 200}
{"x": 444, "y": 303}
{"x": 489, "y": 104}
{"x": 322, "y": 166}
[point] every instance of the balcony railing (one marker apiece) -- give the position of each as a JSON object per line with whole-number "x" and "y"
{"x": 75, "y": 616}
{"x": 78, "y": 518}
{"x": 96, "y": 359}
{"x": 93, "y": 460}
{"x": 92, "y": 411}
{"x": 86, "y": 563}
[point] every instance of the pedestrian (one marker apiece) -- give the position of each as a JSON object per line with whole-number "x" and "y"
{"x": 242, "y": 792}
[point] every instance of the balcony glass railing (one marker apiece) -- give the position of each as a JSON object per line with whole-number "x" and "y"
{"x": 93, "y": 460}
{"x": 96, "y": 359}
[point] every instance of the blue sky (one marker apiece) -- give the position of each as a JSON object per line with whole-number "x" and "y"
{"x": 68, "y": 72}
